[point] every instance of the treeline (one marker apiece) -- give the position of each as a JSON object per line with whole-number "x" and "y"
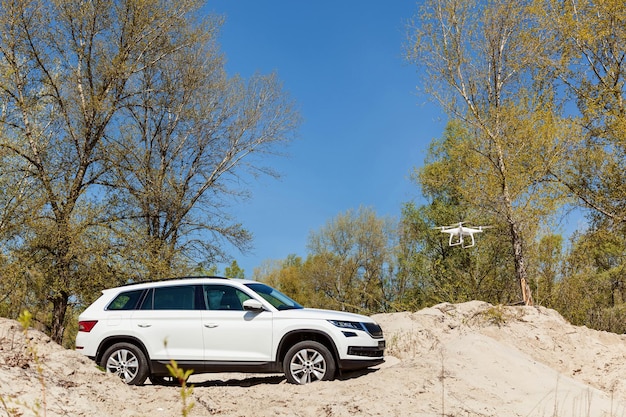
{"x": 368, "y": 264}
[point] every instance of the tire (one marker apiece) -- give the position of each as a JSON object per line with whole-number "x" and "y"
{"x": 126, "y": 361}
{"x": 308, "y": 362}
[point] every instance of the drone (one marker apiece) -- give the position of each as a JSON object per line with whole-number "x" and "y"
{"x": 458, "y": 233}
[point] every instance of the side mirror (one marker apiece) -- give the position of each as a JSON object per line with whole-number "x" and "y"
{"x": 253, "y": 305}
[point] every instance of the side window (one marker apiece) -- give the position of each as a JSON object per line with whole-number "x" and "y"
{"x": 125, "y": 301}
{"x": 174, "y": 298}
{"x": 224, "y": 297}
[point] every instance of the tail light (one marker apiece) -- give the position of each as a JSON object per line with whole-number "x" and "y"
{"x": 86, "y": 325}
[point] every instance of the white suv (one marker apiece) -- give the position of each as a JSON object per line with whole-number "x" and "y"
{"x": 222, "y": 325}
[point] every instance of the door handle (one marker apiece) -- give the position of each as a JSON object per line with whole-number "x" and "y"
{"x": 211, "y": 325}
{"x": 143, "y": 326}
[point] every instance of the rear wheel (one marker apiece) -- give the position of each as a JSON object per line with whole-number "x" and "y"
{"x": 307, "y": 362}
{"x": 126, "y": 361}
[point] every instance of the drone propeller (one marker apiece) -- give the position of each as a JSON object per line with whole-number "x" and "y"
{"x": 449, "y": 226}
{"x": 459, "y": 224}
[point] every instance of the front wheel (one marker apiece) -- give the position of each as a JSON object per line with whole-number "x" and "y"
{"x": 308, "y": 361}
{"x": 126, "y": 361}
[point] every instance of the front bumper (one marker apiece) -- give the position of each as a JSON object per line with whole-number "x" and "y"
{"x": 356, "y": 364}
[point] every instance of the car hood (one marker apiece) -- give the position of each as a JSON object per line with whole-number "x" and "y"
{"x": 321, "y": 314}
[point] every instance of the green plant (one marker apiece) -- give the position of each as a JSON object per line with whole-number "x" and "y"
{"x": 185, "y": 391}
{"x": 497, "y": 315}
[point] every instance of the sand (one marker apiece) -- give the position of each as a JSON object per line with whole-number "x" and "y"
{"x": 470, "y": 359}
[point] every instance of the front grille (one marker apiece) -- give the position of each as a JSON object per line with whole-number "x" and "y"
{"x": 374, "y": 330}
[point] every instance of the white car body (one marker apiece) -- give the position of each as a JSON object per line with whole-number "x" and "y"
{"x": 254, "y": 337}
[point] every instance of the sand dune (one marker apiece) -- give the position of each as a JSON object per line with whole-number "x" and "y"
{"x": 470, "y": 359}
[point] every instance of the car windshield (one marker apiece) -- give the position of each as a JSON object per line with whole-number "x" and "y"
{"x": 274, "y": 297}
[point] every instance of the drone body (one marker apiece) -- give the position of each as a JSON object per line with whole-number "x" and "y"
{"x": 458, "y": 233}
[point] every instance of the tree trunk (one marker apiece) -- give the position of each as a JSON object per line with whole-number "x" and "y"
{"x": 516, "y": 235}
{"x": 520, "y": 265}
{"x": 59, "y": 309}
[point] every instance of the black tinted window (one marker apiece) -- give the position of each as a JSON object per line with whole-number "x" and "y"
{"x": 126, "y": 300}
{"x": 174, "y": 298}
{"x": 224, "y": 297}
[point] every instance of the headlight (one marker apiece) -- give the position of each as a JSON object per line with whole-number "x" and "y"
{"x": 353, "y": 325}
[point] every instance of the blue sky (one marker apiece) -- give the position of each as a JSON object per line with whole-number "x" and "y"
{"x": 364, "y": 126}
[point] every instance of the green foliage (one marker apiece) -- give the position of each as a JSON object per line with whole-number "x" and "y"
{"x": 536, "y": 94}
{"x": 351, "y": 263}
{"x": 233, "y": 271}
{"x": 585, "y": 58}
{"x": 350, "y": 267}
{"x": 610, "y": 319}
{"x": 547, "y": 256}
{"x": 412, "y": 260}
{"x": 451, "y": 274}
{"x": 289, "y": 277}
{"x": 207, "y": 271}
{"x": 186, "y": 392}
{"x": 507, "y": 136}
{"x": 496, "y": 315}
{"x": 535, "y": 90}
{"x": 593, "y": 289}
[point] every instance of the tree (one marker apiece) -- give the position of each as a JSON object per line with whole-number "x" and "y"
{"x": 480, "y": 64}
{"x": 77, "y": 80}
{"x": 412, "y": 260}
{"x": 587, "y": 58}
{"x": 287, "y": 276}
{"x": 440, "y": 273}
{"x": 586, "y": 61}
{"x": 593, "y": 289}
{"x": 188, "y": 139}
{"x": 234, "y": 271}
{"x": 350, "y": 261}
{"x": 65, "y": 69}
{"x": 547, "y": 266}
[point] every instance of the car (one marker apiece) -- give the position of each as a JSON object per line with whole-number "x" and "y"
{"x": 215, "y": 324}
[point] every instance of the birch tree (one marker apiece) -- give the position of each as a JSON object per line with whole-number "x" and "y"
{"x": 587, "y": 59}
{"x": 478, "y": 61}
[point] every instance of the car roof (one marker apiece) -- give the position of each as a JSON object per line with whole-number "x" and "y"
{"x": 180, "y": 281}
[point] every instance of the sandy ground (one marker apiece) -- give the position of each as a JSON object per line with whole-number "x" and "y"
{"x": 470, "y": 359}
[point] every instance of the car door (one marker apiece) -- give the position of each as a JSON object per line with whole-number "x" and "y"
{"x": 232, "y": 334}
{"x": 169, "y": 323}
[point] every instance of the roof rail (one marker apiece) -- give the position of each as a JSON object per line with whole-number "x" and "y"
{"x": 172, "y": 279}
